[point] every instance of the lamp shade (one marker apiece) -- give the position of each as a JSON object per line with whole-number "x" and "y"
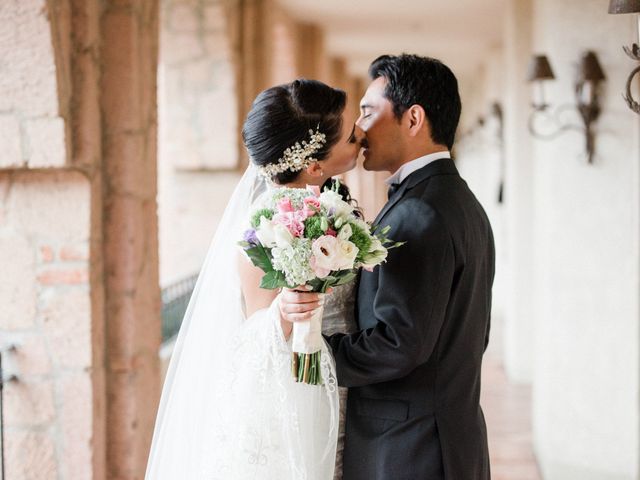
{"x": 539, "y": 69}
{"x": 589, "y": 68}
{"x": 624, "y": 6}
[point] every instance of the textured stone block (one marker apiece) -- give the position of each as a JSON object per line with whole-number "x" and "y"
{"x": 66, "y": 318}
{"x": 29, "y": 403}
{"x": 46, "y": 254}
{"x": 52, "y": 206}
{"x": 28, "y": 83}
{"x": 183, "y": 18}
{"x": 74, "y": 253}
{"x": 11, "y": 153}
{"x": 178, "y": 48}
{"x": 45, "y": 139}
{"x": 76, "y": 420}
{"x": 18, "y": 292}
{"x": 30, "y": 456}
{"x": 63, "y": 276}
{"x": 32, "y": 356}
{"x": 214, "y": 18}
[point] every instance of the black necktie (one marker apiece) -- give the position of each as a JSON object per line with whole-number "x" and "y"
{"x": 393, "y": 188}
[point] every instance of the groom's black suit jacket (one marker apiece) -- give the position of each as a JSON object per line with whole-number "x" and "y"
{"x": 413, "y": 369}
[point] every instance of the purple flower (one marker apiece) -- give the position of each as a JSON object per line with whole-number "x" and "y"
{"x": 251, "y": 238}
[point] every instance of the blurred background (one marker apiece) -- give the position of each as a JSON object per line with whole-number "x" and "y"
{"x": 120, "y": 144}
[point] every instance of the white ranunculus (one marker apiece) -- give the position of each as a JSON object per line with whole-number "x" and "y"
{"x": 266, "y": 233}
{"x": 347, "y": 253}
{"x": 345, "y": 232}
{"x": 325, "y": 250}
{"x": 333, "y": 200}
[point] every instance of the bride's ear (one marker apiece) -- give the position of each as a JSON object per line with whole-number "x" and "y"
{"x": 315, "y": 170}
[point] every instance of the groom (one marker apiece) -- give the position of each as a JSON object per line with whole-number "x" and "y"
{"x": 413, "y": 369}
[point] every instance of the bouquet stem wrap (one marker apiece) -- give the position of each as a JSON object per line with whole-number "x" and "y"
{"x": 306, "y": 345}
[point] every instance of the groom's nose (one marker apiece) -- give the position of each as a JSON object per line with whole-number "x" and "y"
{"x": 360, "y": 135}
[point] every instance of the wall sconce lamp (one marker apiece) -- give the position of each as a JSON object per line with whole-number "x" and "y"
{"x": 587, "y": 95}
{"x": 629, "y": 6}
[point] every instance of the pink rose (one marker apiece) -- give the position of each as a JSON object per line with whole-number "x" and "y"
{"x": 331, "y": 232}
{"x": 292, "y": 221}
{"x": 284, "y": 205}
{"x": 312, "y": 202}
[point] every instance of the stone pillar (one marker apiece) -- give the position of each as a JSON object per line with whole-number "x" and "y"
{"x": 312, "y": 59}
{"x": 198, "y": 86}
{"x": 199, "y": 141}
{"x": 80, "y": 292}
{"x": 129, "y": 53}
{"x": 519, "y": 319}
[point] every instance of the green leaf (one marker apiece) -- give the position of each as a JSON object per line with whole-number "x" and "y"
{"x": 260, "y": 258}
{"x": 345, "y": 278}
{"x": 273, "y": 280}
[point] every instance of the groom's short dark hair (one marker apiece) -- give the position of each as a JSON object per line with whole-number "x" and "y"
{"x": 414, "y": 80}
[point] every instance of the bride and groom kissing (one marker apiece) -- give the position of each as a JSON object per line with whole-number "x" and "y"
{"x": 404, "y": 341}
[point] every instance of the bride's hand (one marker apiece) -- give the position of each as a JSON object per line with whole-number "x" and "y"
{"x": 297, "y": 306}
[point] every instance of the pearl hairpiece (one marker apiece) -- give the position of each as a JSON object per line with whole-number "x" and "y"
{"x": 297, "y": 157}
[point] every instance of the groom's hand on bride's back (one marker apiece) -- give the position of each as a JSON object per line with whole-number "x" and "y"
{"x": 296, "y": 305}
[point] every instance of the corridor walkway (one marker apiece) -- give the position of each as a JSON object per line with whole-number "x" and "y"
{"x": 508, "y": 415}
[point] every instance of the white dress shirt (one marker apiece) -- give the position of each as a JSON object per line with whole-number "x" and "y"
{"x": 408, "y": 168}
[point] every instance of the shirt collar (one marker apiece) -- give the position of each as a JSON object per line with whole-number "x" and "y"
{"x": 408, "y": 168}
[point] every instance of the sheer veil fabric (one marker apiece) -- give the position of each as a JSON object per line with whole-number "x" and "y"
{"x": 230, "y": 409}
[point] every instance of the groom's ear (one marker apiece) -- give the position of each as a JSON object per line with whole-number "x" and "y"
{"x": 415, "y": 119}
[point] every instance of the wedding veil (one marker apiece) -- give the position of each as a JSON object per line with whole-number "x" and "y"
{"x": 229, "y": 407}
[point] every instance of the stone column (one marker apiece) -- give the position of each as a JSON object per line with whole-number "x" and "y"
{"x": 80, "y": 292}
{"x": 129, "y": 52}
{"x": 518, "y": 319}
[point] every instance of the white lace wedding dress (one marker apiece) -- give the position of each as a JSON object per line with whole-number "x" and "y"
{"x": 230, "y": 407}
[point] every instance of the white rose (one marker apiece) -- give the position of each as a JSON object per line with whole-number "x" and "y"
{"x": 266, "y": 233}
{"x": 325, "y": 251}
{"x": 333, "y": 200}
{"x": 347, "y": 253}
{"x": 345, "y": 232}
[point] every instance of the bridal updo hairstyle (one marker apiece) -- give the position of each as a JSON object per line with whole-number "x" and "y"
{"x": 283, "y": 115}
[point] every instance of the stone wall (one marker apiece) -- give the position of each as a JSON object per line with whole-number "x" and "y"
{"x": 585, "y": 259}
{"x": 570, "y": 243}
{"x": 46, "y": 300}
{"x": 79, "y": 236}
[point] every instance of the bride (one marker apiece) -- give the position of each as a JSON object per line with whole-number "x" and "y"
{"x": 230, "y": 408}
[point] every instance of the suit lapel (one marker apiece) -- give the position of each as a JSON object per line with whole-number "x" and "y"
{"x": 443, "y": 166}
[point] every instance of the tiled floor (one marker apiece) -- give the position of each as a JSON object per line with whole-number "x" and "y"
{"x": 507, "y": 409}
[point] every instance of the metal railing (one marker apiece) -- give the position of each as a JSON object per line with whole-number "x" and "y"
{"x": 5, "y": 377}
{"x": 175, "y": 298}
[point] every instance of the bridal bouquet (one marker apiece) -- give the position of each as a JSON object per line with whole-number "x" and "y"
{"x": 304, "y": 237}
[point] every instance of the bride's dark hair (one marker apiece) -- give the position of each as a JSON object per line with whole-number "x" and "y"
{"x": 283, "y": 115}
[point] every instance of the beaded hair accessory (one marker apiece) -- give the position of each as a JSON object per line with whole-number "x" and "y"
{"x": 297, "y": 157}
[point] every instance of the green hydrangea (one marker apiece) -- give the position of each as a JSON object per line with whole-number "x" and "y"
{"x": 296, "y": 195}
{"x": 264, "y": 212}
{"x": 293, "y": 261}
{"x": 313, "y": 227}
{"x": 361, "y": 239}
